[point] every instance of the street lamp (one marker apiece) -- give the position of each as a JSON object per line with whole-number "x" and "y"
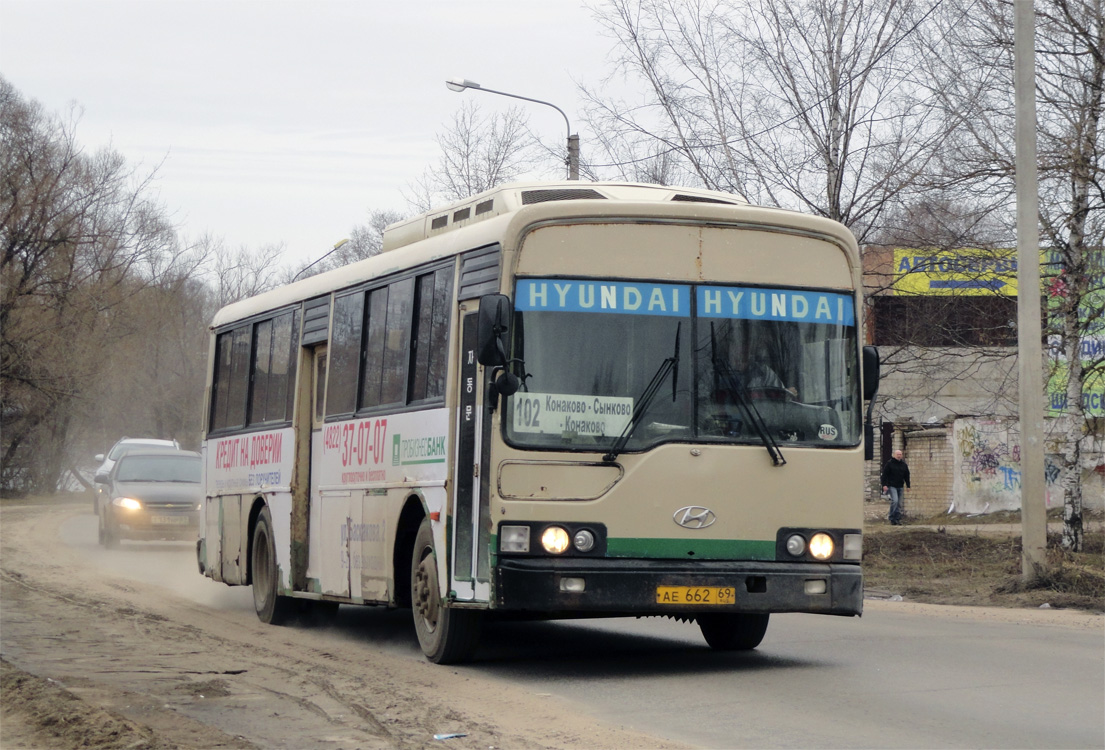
{"x": 460, "y": 84}
{"x": 322, "y": 257}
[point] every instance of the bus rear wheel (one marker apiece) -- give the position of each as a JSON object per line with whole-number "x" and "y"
{"x": 446, "y": 635}
{"x": 733, "y": 631}
{"x": 269, "y": 605}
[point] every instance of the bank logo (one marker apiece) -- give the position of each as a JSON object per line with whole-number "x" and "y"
{"x": 694, "y": 517}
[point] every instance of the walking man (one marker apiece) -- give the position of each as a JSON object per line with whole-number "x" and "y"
{"x": 895, "y": 477}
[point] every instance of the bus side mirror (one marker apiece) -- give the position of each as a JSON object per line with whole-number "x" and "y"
{"x": 491, "y": 330}
{"x": 870, "y": 390}
{"x": 870, "y": 372}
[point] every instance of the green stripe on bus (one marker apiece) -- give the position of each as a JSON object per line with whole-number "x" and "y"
{"x": 684, "y": 549}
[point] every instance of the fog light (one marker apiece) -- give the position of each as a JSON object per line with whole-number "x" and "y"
{"x": 821, "y": 546}
{"x": 853, "y": 546}
{"x": 555, "y": 540}
{"x": 514, "y": 538}
{"x": 584, "y": 540}
{"x": 796, "y": 545}
{"x": 573, "y": 585}
{"x": 816, "y": 586}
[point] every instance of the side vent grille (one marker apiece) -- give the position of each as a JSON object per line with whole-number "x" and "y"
{"x": 482, "y": 208}
{"x": 462, "y": 214}
{"x": 440, "y": 222}
{"x": 700, "y": 199}
{"x": 479, "y": 272}
{"x": 316, "y": 320}
{"x": 568, "y": 194}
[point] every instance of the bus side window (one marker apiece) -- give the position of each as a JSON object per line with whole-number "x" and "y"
{"x": 231, "y": 386}
{"x": 429, "y": 341}
{"x": 345, "y": 354}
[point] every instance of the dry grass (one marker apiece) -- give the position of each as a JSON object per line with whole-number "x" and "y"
{"x": 949, "y": 566}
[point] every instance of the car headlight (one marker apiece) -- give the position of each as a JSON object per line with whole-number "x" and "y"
{"x": 821, "y": 546}
{"x": 555, "y": 540}
{"x": 128, "y": 503}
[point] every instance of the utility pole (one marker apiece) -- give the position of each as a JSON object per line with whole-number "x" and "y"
{"x": 1029, "y": 334}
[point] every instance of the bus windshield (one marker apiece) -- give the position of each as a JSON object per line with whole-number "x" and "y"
{"x": 590, "y": 354}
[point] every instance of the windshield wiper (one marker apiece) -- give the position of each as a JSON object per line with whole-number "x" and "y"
{"x": 667, "y": 367}
{"x": 735, "y": 385}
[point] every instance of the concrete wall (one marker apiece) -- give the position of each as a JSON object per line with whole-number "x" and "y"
{"x": 973, "y": 465}
{"x": 987, "y": 469}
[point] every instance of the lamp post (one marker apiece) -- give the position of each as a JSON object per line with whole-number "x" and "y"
{"x": 460, "y": 84}
{"x": 320, "y": 258}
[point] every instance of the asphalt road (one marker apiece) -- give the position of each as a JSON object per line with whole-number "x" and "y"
{"x": 902, "y": 676}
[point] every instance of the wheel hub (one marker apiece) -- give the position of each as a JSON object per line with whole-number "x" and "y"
{"x": 427, "y": 602}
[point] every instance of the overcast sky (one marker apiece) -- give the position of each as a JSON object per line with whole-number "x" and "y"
{"x": 289, "y": 120}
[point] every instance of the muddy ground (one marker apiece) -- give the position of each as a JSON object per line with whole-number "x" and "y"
{"x": 134, "y": 649}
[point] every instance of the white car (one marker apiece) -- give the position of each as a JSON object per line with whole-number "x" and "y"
{"x": 119, "y": 449}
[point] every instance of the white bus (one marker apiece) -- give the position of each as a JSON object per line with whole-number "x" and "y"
{"x": 550, "y": 400}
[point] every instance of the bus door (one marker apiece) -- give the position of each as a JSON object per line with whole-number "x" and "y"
{"x": 330, "y": 507}
{"x": 471, "y": 517}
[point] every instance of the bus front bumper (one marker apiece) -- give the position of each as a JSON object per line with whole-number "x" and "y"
{"x": 639, "y": 587}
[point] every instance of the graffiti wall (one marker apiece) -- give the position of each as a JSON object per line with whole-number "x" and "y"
{"x": 987, "y": 465}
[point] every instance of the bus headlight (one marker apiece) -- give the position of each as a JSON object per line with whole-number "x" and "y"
{"x": 796, "y": 544}
{"x": 514, "y": 538}
{"x": 555, "y": 540}
{"x": 853, "y": 546}
{"x": 821, "y": 546}
{"x": 584, "y": 540}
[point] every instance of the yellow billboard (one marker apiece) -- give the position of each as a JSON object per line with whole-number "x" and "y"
{"x": 969, "y": 271}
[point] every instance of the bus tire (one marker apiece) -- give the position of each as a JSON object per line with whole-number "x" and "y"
{"x": 733, "y": 631}
{"x": 446, "y": 635}
{"x": 271, "y": 607}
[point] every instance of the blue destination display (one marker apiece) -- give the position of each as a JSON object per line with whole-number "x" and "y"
{"x": 639, "y": 298}
{"x": 749, "y": 303}
{"x": 627, "y": 298}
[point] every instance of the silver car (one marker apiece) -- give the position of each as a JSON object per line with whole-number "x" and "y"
{"x": 122, "y": 446}
{"x": 151, "y": 494}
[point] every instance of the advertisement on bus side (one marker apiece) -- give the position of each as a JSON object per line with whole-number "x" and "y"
{"x": 411, "y": 446}
{"x": 256, "y": 461}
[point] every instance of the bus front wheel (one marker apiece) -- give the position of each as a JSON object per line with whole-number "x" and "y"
{"x": 269, "y": 605}
{"x": 446, "y": 635}
{"x": 728, "y": 631}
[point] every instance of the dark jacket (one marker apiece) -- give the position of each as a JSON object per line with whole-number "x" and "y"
{"x": 895, "y": 474}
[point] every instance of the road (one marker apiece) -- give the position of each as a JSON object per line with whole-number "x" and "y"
{"x": 119, "y": 626}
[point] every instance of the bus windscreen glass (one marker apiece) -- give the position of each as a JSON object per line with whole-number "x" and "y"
{"x": 688, "y": 363}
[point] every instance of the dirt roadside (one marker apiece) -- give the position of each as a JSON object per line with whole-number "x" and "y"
{"x": 95, "y": 656}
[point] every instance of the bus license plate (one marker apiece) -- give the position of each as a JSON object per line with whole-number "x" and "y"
{"x": 696, "y": 595}
{"x": 169, "y": 520}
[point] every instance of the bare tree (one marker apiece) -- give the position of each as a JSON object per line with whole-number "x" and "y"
{"x": 812, "y": 105}
{"x": 478, "y": 152}
{"x": 976, "y": 65}
{"x": 238, "y": 274}
{"x": 77, "y": 232}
